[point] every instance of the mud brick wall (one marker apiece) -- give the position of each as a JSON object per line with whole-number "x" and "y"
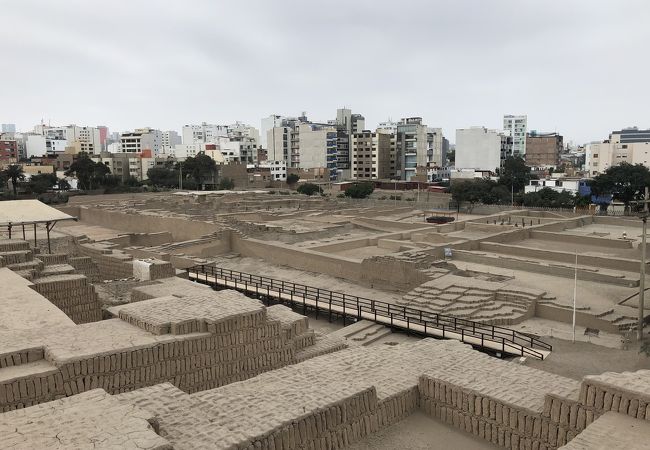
{"x": 73, "y": 295}
{"x": 193, "y": 343}
{"x": 85, "y": 266}
{"x": 161, "y": 269}
{"x": 10, "y": 245}
{"x": 17, "y": 256}
{"x": 54, "y": 258}
{"x": 112, "y": 265}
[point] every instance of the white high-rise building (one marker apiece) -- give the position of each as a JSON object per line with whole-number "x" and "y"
{"x": 169, "y": 139}
{"x": 140, "y": 140}
{"x": 84, "y": 139}
{"x": 268, "y": 123}
{"x": 204, "y": 133}
{"x": 8, "y": 128}
{"x": 482, "y": 149}
{"x": 518, "y": 127}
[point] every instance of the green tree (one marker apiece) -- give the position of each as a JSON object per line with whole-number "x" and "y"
{"x": 625, "y": 182}
{"x": 465, "y": 191}
{"x": 63, "y": 184}
{"x": 200, "y": 168}
{"x": 309, "y": 189}
{"x": 132, "y": 181}
{"x": 90, "y": 174}
{"x": 163, "y": 176}
{"x": 226, "y": 184}
{"x": 14, "y": 173}
{"x": 548, "y": 198}
{"x": 514, "y": 174}
{"x": 360, "y": 190}
{"x": 42, "y": 182}
{"x": 292, "y": 179}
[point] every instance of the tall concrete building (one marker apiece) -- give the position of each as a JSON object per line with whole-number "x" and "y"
{"x": 629, "y": 145}
{"x": 347, "y": 124}
{"x": 481, "y": 149}
{"x": 267, "y": 124}
{"x": 8, "y": 128}
{"x": 352, "y": 123}
{"x": 518, "y": 127}
{"x": 304, "y": 145}
{"x": 373, "y": 155}
{"x": 140, "y": 140}
{"x": 169, "y": 139}
{"x": 203, "y": 133}
{"x": 417, "y": 146}
{"x": 83, "y": 139}
{"x": 543, "y": 149}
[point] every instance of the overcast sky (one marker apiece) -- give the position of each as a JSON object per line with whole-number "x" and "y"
{"x": 580, "y": 67}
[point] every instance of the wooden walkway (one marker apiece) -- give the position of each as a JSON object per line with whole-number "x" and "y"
{"x": 486, "y": 337}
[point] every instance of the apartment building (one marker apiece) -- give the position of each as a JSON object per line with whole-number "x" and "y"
{"x": 543, "y": 149}
{"x": 518, "y": 127}
{"x": 417, "y": 146}
{"x": 127, "y": 164}
{"x": 629, "y": 145}
{"x": 480, "y": 148}
{"x": 313, "y": 147}
{"x": 168, "y": 140}
{"x": 140, "y": 140}
{"x": 203, "y": 133}
{"x": 8, "y": 151}
{"x": 373, "y": 155}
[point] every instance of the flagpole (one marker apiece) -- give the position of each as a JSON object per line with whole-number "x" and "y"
{"x": 575, "y": 290}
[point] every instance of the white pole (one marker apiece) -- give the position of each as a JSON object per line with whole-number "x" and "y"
{"x": 575, "y": 291}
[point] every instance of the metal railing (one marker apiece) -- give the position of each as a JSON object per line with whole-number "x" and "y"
{"x": 403, "y": 317}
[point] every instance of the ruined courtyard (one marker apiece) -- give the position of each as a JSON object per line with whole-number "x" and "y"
{"x": 110, "y": 326}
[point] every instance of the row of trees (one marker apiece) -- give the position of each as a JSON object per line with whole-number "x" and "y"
{"x": 37, "y": 184}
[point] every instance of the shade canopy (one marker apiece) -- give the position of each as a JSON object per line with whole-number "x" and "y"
{"x": 23, "y": 212}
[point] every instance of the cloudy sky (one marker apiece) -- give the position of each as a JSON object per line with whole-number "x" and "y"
{"x": 580, "y": 67}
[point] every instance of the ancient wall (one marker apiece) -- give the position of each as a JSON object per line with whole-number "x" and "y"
{"x": 72, "y": 294}
{"x": 303, "y": 259}
{"x": 629, "y": 265}
{"x": 581, "y": 240}
{"x": 179, "y": 228}
{"x": 195, "y": 342}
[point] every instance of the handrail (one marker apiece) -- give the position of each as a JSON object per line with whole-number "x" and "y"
{"x": 524, "y": 343}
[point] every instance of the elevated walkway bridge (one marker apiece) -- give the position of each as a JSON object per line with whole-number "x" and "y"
{"x": 490, "y": 338}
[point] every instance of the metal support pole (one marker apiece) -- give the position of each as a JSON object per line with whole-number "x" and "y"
{"x": 642, "y": 277}
{"x": 47, "y": 227}
{"x": 34, "y": 235}
{"x": 23, "y": 232}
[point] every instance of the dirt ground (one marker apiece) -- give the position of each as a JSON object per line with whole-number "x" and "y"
{"x": 575, "y": 360}
{"x": 421, "y": 432}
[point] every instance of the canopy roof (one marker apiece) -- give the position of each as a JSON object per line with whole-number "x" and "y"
{"x": 23, "y": 212}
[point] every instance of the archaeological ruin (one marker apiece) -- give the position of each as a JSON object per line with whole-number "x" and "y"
{"x": 259, "y": 320}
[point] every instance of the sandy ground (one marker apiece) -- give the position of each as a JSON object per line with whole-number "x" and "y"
{"x": 561, "y": 330}
{"x": 575, "y": 360}
{"x": 421, "y": 432}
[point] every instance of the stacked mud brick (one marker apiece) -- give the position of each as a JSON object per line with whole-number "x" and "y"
{"x": 337, "y": 399}
{"x": 112, "y": 263}
{"x": 87, "y": 418}
{"x": 194, "y": 342}
{"x": 478, "y": 300}
{"x": 521, "y": 408}
{"x": 73, "y": 294}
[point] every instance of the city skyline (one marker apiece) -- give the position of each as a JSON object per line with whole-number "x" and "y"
{"x": 454, "y": 64}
